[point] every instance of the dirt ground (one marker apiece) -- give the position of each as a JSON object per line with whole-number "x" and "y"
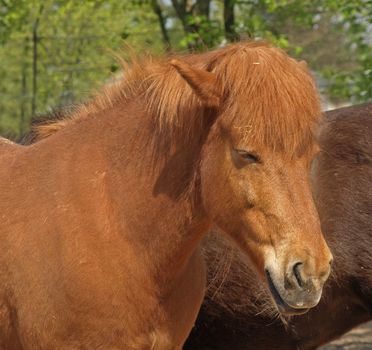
{"x": 359, "y": 338}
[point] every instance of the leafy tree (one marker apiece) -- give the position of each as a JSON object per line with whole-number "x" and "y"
{"x": 313, "y": 30}
{"x": 53, "y": 52}
{"x": 355, "y": 19}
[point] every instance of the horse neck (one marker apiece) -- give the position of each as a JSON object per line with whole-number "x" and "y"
{"x": 342, "y": 207}
{"x": 157, "y": 207}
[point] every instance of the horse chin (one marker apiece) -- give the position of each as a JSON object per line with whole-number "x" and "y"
{"x": 289, "y": 311}
{"x": 282, "y": 306}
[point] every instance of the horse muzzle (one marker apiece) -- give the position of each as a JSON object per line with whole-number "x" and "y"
{"x": 293, "y": 294}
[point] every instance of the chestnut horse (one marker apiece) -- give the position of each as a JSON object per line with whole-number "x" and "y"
{"x": 101, "y": 222}
{"x": 233, "y": 317}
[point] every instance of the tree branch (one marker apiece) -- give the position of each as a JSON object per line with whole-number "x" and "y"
{"x": 157, "y": 9}
{"x": 229, "y": 20}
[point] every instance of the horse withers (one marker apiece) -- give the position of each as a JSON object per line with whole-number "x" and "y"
{"x": 101, "y": 221}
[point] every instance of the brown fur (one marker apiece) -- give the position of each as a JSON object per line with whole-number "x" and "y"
{"x": 235, "y": 315}
{"x": 101, "y": 221}
{"x": 261, "y": 75}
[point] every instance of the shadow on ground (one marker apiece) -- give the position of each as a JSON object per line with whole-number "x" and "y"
{"x": 359, "y": 338}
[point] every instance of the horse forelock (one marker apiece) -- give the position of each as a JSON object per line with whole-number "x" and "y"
{"x": 269, "y": 96}
{"x": 278, "y": 105}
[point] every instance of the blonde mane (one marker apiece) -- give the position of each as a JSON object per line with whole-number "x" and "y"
{"x": 278, "y": 103}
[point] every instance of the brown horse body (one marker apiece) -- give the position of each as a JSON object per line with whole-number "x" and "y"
{"x": 101, "y": 222}
{"x": 235, "y": 315}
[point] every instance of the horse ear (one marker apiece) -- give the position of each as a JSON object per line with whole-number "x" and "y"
{"x": 205, "y": 84}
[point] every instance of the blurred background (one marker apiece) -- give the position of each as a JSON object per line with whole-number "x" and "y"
{"x": 54, "y": 53}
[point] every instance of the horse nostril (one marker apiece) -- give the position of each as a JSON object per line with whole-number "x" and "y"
{"x": 297, "y": 274}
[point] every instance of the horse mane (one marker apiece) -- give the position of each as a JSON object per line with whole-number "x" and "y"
{"x": 280, "y": 107}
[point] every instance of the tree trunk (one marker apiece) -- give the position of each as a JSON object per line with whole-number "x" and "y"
{"x": 157, "y": 9}
{"x": 229, "y": 20}
{"x": 35, "y": 39}
{"x": 185, "y": 12}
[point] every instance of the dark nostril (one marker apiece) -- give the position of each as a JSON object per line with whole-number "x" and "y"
{"x": 331, "y": 262}
{"x": 297, "y": 274}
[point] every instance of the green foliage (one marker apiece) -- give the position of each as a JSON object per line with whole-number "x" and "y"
{"x": 338, "y": 30}
{"x": 355, "y": 17}
{"x": 209, "y": 33}
{"x": 75, "y": 42}
{"x": 330, "y": 34}
{"x": 12, "y": 15}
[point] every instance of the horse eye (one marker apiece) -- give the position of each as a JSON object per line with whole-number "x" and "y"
{"x": 248, "y": 156}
